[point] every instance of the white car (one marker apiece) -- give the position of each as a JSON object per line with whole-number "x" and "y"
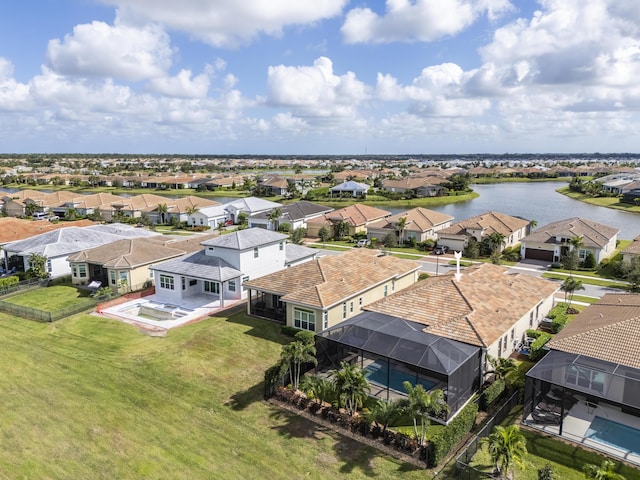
{"x": 363, "y": 243}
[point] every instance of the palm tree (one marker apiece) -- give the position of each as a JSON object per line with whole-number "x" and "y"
{"x": 569, "y": 287}
{"x": 419, "y": 405}
{"x": 352, "y": 386}
{"x": 501, "y": 367}
{"x": 604, "y": 471}
{"x": 384, "y": 413}
{"x": 340, "y": 229}
{"x": 322, "y": 389}
{"x": 532, "y": 224}
{"x": 191, "y": 210}
{"x": 273, "y": 216}
{"x": 506, "y": 447}
{"x": 570, "y": 259}
{"x": 402, "y": 224}
{"x": 162, "y": 212}
{"x": 294, "y": 355}
{"x": 30, "y": 208}
{"x": 497, "y": 240}
{"x": 324, "y": 234}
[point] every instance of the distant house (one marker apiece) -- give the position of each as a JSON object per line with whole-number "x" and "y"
{"x": 209, "y": 217}
{"x": 59, "y": 244}
{"x": 220, "y": 270}
{"x": 296, "y": 215}
{"x": 631, "y": 251}
{"x": 351, "y": 188}
{"x": 248, "y": 205}
{"x": 322, "y": 293}
{"x": 457, "y": 236}
{"x": 420, "y": 224}
{"x": 357, "y": 217}
{"x": 428, "y": 186}
{"x": 587, "y": 387}
{"x": 550, "y": 242}
{"x": 439, "y": 331}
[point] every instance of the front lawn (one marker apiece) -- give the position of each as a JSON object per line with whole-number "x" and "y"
{"x": 89, "y": 397}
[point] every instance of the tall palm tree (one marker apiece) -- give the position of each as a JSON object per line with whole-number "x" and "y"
{"x": 569, "y": 287}
{"x": 352, "y": 386}
{"x": 294, "y": 355}
{"x": 419, "y": 405}
{"x": 162, "y": 212}
{"x": 402, "y": 224}
{"x": 507, "y": 447}
{"x": 604, "y": 471}
{"x": 497, "y": 240}
{"x": 273, "y": 216}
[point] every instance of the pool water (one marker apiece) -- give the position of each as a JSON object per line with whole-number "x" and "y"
{"x": 377, "y": 373}
{"x": 614, "y": 434}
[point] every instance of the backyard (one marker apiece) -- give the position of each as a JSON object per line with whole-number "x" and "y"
{"x": 88, "y": 397}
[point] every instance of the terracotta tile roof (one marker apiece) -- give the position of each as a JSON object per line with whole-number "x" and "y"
{"x": 413, "y": 182}
{"x": 182, "y": 204}
{"x": 14, "y": 229}
{"x": 608, "y": 330}
{"x": 23, "y": 194}
{"x": 95, "y": 200}
{"x": 593, "y": 234}
{"x": 489, "y": 222}
{"x": 145, "y": 201}
{"x": 418, "y": 220}
{"x": 329, "y": 280}
{"x": 478, "y": 309}
{"x": 356, "y": 214}
{"x": 633, "y": 248}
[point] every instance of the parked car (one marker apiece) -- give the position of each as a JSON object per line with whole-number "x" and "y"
{"x": 54, "y": 218}
{"x": 440, "y": 249}
{"x": 363, "y": 243}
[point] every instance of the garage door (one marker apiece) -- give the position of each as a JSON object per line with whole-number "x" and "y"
{"x": 535, "y": 254}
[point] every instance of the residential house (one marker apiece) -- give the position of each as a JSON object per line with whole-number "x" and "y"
{"x": 296, "y": 215}
{"x": 58, "y": 244}
{"x": 275, "y": 185}
{"x": 88, "y": 204}
{"x": 351, "y": 188}
{"x": 631, "y": 251}
{"x": 457, "y": 236}
{"x": 178, "y": 208}
{"x": 420, "y": 224}
{"x": 550, "y": 242}
{"x": 249, "y": 206}
{"x": 134, "y": 207}
{"x": 322, "y": 293}
{"x": 357, "y": 218}
{"x": 125, "y": 263}
{"x": 14, "y": 204}
{"x": 587, "y": 387}
{"x": 427, "y": 186}
{"x": 208, "y": 217}
{"x": 220, "y": 270}
{"x": 439, "y": 331}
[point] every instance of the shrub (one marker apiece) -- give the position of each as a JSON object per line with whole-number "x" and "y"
{"x": 7, "y": 282}
{"x": 491, "y": 393}
{"x": 289, "y": 331}
{"x": 536, "y": 347}
{"x": 423, "y": 276}
{"x": 559, "y": 322}
{"x": 533, "y": 333}
{"x": 444, "y": 440}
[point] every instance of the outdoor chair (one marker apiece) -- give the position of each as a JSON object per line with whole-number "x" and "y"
{"x": 550, "y": 407}
{"x": 546, "y": 418}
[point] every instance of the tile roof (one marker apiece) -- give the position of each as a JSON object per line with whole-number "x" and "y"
{"x": 356, "y": 214}
{"x": 328, "y": 280}
{"x": 608, "y": 330}
{"x": 489, "y": 222}
{"x": 245, "y": 239}
{"x": 128, "y": 253}
{"x": 350, "y": 186}
{"x": 297, "y": 210}
{"x": 478, "y": 309}
{"x": 593, "y": 234}
{"x": 252, "y": 204}
{"x": 294, "y": 253}
{"x": 14, "y": 229}
{"x": 199, "y": 265}
{"x": 418, "y": 220}
{"x": 633, "y": 248}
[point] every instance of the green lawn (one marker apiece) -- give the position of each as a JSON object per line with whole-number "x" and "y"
{"x": 587, "y": 281}
{"x": 609, "y": 202}
{"x": 566, "y": 459}
{"x": 89, "y": 397}
{"x": 52, "y": 299}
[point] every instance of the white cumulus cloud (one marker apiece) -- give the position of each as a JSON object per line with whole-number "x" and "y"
{"x": 229, "y": 23}
{"x": 182, "y": 85}
{"x": 118, "y": 51}
{"x": 419, "y": 20}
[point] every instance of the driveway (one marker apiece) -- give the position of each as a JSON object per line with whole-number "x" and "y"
{"x": 531, "y": 267}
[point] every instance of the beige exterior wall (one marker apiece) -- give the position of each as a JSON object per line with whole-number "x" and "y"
{"x": 76, "y": 269}
{"x": 353, "y": 304}
{"x": 13, "y": 208}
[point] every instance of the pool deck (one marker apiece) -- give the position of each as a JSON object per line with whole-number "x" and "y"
{"x": 578, "y": 421}
{"x": 194, "y": 308}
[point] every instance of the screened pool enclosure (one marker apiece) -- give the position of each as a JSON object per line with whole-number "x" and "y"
{"x": 392, "y": 350}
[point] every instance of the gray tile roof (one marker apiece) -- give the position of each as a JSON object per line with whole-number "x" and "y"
{"x": 297, "y": 211}
{"x": 199, "y": 265}
{"x": 294, "y": 253}
{"x": 593, "y": 234}
{"x": 246, "y": 239}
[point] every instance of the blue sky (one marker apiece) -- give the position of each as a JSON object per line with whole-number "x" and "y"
{"x": 319, "y": 76}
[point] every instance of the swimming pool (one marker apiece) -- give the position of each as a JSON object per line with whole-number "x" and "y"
{"x": 377, "y": 373}
{"x": 614, "y": 434}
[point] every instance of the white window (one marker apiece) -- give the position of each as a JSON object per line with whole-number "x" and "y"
{"x": 74, "y": 269}
{"x": 325, "y": 320}
{"x": 183, "y": 283}
{"x": 112, "y": 277}
{"x": 304, "y": 319}
{"x": 202, "y": 221}
{"x": 582, "y": 254}
{"x": 211, "y": 287}
{"x": 166, "y": 282}
{"x": 386, "y": 290}
{"x": 255, "y": 252}
{"x": 350, "y": 307}
{"x": 49, "y": 268}
{"x": 281, "y": 245}
{"x": 586, "y": 378}
{"x": 344, "y": 310}
{"x": 393, "y": 285}
{"x": 231, "y": 285}
{"x": 124, "y": 278}
{"x": 360, "y": 301}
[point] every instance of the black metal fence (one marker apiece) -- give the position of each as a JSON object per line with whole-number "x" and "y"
{"x": 463, "y": 469}
{"x": 43, "y": 315}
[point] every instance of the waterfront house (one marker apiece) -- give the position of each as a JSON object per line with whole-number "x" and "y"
{"x": 357, "y": 217}
{"x": 350, "y": 188}
{"x": 420, "y": 224}
{"x": 296, "y": 215}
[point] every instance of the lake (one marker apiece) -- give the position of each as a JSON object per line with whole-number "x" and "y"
{"x": 539, "y": 202}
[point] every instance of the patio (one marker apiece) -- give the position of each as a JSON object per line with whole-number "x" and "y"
{"x": 149, "y": 312}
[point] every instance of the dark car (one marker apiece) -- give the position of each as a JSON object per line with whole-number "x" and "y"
{"x": 441, "y": 249}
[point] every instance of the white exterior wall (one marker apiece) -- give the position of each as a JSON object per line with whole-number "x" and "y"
{"x": 454, "y": 242}
{"x": 520, "y": 327}
{"x": 608, "y": 249}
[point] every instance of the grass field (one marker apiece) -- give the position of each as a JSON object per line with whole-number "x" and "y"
{"x": 88, "y": 397}
{"x": 52, "y": 298}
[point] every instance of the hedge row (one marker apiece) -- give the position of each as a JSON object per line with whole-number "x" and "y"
{"x": 448, "y": 437}
{"x": 536, "y": 347}
{"x": 9, "y": 281}
{"x": 491, "y": 393}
